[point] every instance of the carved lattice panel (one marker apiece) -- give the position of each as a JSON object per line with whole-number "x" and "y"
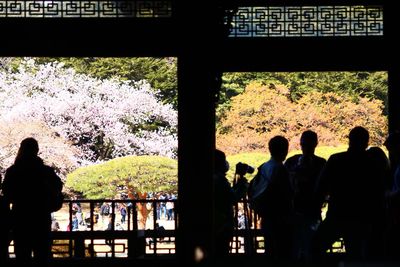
{"x": 307, "y": 21}
{"x": 86, "y": 9}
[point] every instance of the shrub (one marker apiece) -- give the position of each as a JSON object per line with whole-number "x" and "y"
{"x": 261, "y": 112}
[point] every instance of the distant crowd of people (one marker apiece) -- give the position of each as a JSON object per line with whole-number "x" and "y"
{"x": 165, "y": 208}
{"x": 359, "y": 187}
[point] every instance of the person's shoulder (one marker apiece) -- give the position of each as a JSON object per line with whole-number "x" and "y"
{"x": 266, "y": 164}
{"x": 49, "y": 170}
{"x": 46, "y": 168}
{"x": 262, "y": 166}
{"x": 282, "y": 169}
{"x": 50, "y": 173}
{"x": 292, "y": 160}
{"x": 319, "y": 159}
{"x": 11, "y": 169}
{"x": 270, "y": 165}
{"x": 294, "y": 157}
{"x": 274, "y": 167}
{"x": 338, "y": 156}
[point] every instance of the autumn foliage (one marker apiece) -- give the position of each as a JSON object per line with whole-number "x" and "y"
{"x": 262, "y": 112}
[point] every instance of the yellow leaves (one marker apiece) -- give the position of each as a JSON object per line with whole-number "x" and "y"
{"x": 262, "y": 112}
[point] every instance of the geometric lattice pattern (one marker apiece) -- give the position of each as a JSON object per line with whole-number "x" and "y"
{"x": 86, "y": 9}
{"x": 314, "y": 21}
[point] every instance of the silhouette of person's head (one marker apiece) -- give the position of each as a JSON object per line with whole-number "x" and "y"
{"x": 28, "y": 149}
{"x": 220, "y": 163}
{"x": 308, "y": 142}
{"x": 278, "y": 147}
{"x": 358, "y": 138}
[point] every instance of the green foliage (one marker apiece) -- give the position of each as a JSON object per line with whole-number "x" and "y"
{"x": 142, "y": 173}
{"x": 354, "y": 84}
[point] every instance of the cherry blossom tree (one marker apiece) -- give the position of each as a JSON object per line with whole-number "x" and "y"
{"x": 104, "y": 119}
{"x": 53, "y": 149}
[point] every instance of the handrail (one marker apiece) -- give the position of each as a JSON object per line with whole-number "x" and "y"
{"x": 102, "y": 236}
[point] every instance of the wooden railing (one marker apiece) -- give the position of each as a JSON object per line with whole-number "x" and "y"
{"x": 109, "y": 236}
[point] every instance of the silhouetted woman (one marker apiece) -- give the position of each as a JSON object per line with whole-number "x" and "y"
{"x": 29, "y": 185}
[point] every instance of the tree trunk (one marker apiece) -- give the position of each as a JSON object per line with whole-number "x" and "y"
{"x": 143, "y": 212}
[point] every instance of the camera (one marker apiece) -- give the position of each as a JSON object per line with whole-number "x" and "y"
{"x": 243, "y": 168}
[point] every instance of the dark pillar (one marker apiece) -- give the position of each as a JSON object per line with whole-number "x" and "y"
{"x": 196, "y": 124}
{"x": 394, "y": 99}
{"x": 196, "y": 144}
{"x": 79, "y": 247}
{"x": 392, "y": 45}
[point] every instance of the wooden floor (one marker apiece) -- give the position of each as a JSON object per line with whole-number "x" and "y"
{"x": 230, "y": 262}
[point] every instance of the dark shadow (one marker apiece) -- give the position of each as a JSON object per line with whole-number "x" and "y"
{"x": 392, "y": 236}
{"x": 352, "y": 185}
{"x": 225, "y": 196}
{"x": 273, "y": 192}
{"x": 304, "y": 170}
{"x": 31, "y": 187}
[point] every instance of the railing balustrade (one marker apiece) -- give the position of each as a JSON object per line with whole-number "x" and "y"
{"x": 85, "y": 232}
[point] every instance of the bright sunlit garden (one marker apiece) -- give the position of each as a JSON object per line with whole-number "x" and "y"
{"x": 109, "y": 125}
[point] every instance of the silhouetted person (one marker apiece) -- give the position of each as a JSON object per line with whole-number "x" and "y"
{"x": 225, "y": 196}
{"x": 381, "y": 173}
{"x": 392, "y": 144}
{"x": 275, "y": 197}
{"x": 349, "y": 183}
{"x": 29, "y": 185}
{"x": 4, "y": 227}
{"x": 304, "y": 170}
{"x": 55, "y": 226}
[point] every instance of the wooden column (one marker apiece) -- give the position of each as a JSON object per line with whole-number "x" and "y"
{"x": 196, "y": 144}
{"x": 394, "y": 99}
{"x": 196, "y": 125}
{"x": 392, "y": 48}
